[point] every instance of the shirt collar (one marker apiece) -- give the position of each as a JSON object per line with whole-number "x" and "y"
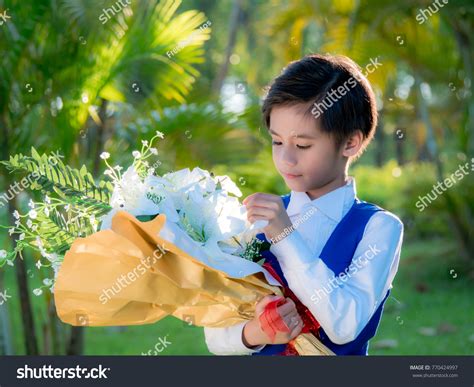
{"x": 331, "y": 204}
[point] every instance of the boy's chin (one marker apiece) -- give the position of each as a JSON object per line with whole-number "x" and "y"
{"x": 294, "y": 185}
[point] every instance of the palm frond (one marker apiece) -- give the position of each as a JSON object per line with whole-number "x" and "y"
{"x": 77, "y": 186}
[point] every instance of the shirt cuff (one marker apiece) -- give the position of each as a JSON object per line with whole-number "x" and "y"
{"x": 292, "y": 252}
{"x": 236, "y": 341}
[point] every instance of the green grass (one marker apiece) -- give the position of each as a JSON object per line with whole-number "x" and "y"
{"x": 424, "y": 295}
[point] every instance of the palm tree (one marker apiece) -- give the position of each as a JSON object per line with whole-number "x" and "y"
{"x": 61, "y": 70}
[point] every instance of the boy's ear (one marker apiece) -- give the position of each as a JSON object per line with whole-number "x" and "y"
{"x": 353, "y": 144}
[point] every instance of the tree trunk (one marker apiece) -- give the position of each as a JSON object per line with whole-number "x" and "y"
{"x": 233, "y": 28}
{"x": 461, "y": 230}
{"x": 76, "y": 342}
{"x": 101, "y": 133}
{"x": 6, "y": 347}
{"x": 380, "y": 143}
{"x": 400, "y": 146}
{"x": 29, "y": 331}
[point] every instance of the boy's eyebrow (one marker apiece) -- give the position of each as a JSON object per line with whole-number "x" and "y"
{"x": 307, "y": 136}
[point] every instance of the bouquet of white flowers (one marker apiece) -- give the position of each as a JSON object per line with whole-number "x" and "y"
{"x": 204, "y": 216}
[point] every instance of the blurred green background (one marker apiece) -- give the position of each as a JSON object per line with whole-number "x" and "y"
{"x": 83, "y": 76}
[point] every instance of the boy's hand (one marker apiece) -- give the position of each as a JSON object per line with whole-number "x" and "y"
{"x": 262, "y": 206}
{"x": 253, "y": 335}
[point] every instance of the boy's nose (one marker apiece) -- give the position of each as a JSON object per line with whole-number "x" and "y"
{"x": 289, "y": 159}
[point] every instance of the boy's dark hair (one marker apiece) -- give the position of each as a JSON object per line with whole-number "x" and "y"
{"x": 309, "y": 80}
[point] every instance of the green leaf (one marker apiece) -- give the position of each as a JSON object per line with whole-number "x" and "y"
{"x": 146, "y": 218}
{"x": 70, "y": 184}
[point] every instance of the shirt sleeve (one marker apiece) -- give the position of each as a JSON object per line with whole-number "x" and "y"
{"x": 228, "y": 341}
{"x": 345, "y": 308}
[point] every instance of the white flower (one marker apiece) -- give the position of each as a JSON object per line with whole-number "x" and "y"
{"x": 50, "y": 257}
{"x": 10, "y": 263}
{"x": 46, "y": 211}
{"x": 108, "y": 172}
{"x": 11, "y": 231}
{"x": 118, "y": 168}
{"x": 34, "y": 228}
{"x": 16, "y": 214}
{"x": 130, "y": 194}
{"x": 136, "y": 154}
{"x": 185, "y": 180}
{"x": 39, "y": 242}
{"x": 228, "y": 185}
{"x": 145, "y": 143}
{"x": 38, "y": 264}
{"x": 29, "y": 223}
{"x": 22, "y": 236}
{"x": 37, "y": 292}
{"x": 47, "y": 199}
{"x": 104, "y": 155}
{"x": 33, "y": 214}
{"x": 67, "y": 207}
{"x": 154, "y": 151}
{"x": 160, "y": 134}
{"x": 31, "y": 204}
{"x": 48, "y": 281}
{"x": 211, "y": 218}
{"x": 3, "y": 254}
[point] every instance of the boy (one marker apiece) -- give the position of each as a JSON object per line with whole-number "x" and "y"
{"x": 321, "y": 114}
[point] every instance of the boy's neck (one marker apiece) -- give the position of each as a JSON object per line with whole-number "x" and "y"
{"x": 330, "y": 186}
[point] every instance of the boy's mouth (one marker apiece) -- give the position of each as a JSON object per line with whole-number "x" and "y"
{"x": 290, "y": 176}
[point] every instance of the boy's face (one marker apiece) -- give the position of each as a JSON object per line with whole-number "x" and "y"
{"x": 305, "y": 156}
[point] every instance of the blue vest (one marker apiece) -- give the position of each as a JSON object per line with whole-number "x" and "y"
{"x": 337, "y": 254}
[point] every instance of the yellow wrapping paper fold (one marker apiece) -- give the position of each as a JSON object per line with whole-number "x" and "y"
{"x": 129, "y": 275}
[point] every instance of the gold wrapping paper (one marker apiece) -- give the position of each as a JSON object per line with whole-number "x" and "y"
{"x": 90, "y": 289}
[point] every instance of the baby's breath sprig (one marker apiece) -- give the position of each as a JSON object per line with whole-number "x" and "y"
{"x": 253, "y": 250}
{"x": 141, "y": 165}
{"x": 112, "y": 172}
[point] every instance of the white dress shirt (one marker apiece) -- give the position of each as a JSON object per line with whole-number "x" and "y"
{"x": 343, "y": 307}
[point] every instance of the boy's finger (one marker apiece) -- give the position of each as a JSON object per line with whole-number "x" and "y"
{"x": 259, "y": 211}
{"x": 262, "y": 200}
{"x": 266, "y": 300}
{"x": 290, "y": 320}
{"x": 296, "y": 329}
{"x": 286, "y": 309}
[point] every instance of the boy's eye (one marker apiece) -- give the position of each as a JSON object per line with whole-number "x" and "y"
{"x": 298, "y": 146}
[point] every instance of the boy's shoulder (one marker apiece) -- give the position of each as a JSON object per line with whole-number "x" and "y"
{"x": 384, "y": 218}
